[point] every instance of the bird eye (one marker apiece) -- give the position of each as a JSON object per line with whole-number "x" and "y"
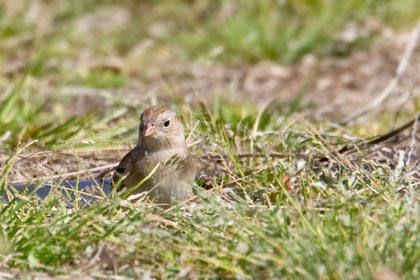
{"x": 167, "y": 123}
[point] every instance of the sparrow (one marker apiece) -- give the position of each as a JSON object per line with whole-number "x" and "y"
{"x": 161, "y": 143}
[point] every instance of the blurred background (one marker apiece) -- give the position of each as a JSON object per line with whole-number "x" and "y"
{"x": 77, "y": 73}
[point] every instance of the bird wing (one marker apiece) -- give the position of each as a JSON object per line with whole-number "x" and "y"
{"x": 188, "y": 168}
{"x": 126, "y": 165}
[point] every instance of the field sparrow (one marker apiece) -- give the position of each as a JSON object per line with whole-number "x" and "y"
{"x": 161, "y": 141}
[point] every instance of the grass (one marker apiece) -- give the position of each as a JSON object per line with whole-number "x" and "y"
{"x": 259, "y": 226}
{"x": 64, "y": 88}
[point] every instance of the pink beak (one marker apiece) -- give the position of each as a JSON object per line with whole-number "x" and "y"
{"x": 149, "y": 130}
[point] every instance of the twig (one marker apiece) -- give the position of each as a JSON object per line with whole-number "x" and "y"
{"x": 402, "y": 66}
{"x": 413, "y": 139}
{"x": 379, "y": 139}
{"x": 255, "y": 155}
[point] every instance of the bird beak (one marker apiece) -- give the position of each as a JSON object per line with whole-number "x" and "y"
{"x": 150, "y": 130}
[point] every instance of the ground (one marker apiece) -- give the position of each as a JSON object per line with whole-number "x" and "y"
{"x": 265, "y": 101}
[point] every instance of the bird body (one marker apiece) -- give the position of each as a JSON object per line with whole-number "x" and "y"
{"x": 161, "y": 142}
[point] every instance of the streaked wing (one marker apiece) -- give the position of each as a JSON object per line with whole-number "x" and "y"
{"x": 126, "y": 165}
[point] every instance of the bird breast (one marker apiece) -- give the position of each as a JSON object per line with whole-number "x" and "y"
{"x": 171, "y": 186}
{"x": 151, "y": 159}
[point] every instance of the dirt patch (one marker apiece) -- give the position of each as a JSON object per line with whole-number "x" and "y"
{"x": 334, "y": 87}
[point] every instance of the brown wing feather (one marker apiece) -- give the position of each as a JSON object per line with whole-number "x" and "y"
{"x": 126, "y": 165}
